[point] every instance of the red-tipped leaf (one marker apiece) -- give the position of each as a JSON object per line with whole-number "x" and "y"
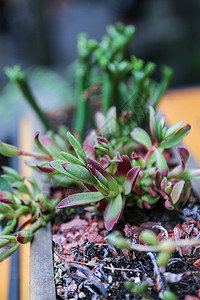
{"x": 131, "y": 179}
{"x": 124, "y": 166}
{"x": 113, "y": 212}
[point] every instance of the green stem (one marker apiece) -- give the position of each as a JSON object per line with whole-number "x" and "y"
{"x": 82, "y": 109}
{"x": 111, "y": 92}
{"x": 24, "y": 210}
{"x": 26, "y": 91}
{"x": 9, "y": 227}
{"x": 9, "y": 252}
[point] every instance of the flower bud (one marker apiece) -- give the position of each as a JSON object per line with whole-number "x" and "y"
{"x": 24, "y": 236}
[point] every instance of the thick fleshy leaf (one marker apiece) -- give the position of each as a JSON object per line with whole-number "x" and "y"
{"x": 141, "y": 136}
{"x": 57, "y": 165}
{"x": 153, "y": 123}
{"x": 4, "y": 185}
{"x": 45, "y": 169}
{"x": 190, "y": 174}
{"x": 176, "y": 191}
{"x": 100, "y": 121}
{"x": 80, "y": 199}
{"x": 20, "y": 186}
{"x": 113, "y": 212}
{"x": 113, "y": 186}
{"x": 9, "y": 150}
{"x": 53, "y": 149}
{"x": 90, "y": 188}
{"x": 12, "y": 172}
{"x": 184, "y": 155}
{"x": 161, "y": 163}
{"x": 89, "y": 143}
{"x": 81, "y": 173}
{"x": 104, "y": 162}
{"x": 117, "y": 158}
{"x": 162, "y": 194}
{"x": 102, "y": 140}
{"x": 176, "y": 138}
{"x": 125, "y": 166}
{"x": 77, "y": 148}
{"x": 39, "y": 145}
{"x": 71, "y": 158}
{"x": 6, "y": 209}
{"x": 102, "y": 180}
{"x": 130, "y": 180}
{"x": 173, "y": 129}
{"x": 101, "y": 150}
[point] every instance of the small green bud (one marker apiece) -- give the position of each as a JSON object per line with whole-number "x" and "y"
{"x": 118, "y": 241}
{"x": 149, "y": 237}
{"x": 168, "y": 295}
{"x": 24, "y": 236}
{"x": 163, "y": 258}
{"x": 140, "y": 288}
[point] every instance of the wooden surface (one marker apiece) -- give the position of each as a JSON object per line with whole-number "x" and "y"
{"x": 42, "y": 286}
{"x": 180, "y": 104}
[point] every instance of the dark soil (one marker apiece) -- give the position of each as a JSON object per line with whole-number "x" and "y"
{"x": 87, "y": 267}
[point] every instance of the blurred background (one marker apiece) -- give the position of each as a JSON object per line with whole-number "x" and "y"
{"x": 41, "y": 36}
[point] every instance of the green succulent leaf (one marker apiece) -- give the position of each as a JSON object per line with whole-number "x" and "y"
{"x": 80, "y": 199}
{"x": 4, "y": 185}
{"x": 81, "y": 173}
{"x": 71, "y": 158}
{"x": 118, "y": 240}
{"x": 57, "y": 165}
{"x": 154, "y": 124}
{"x": 173, "y": 129}
{"x": 9, "y": 150}
{"x": 113, "y": 212}
{"x": 130, "y": 180}
{"x": 77, "y": 147}
{"x": 176, "y": 138}
{"x": 21, "y": 187}
{"x": 176, "y": 191}
{"x": 141, "y": 136}
{"x": 161, "y": 162}
{"x": 40, "y": 146}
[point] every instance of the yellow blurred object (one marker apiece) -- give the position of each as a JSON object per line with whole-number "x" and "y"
{"x": 184, "y": 104}
{"x": 25, "y": 142}
{"x": 5, "y": 278}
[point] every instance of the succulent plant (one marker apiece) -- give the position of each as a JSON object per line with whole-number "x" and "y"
{"x": 115, "y": 177}
{"x": 21, "y": 197}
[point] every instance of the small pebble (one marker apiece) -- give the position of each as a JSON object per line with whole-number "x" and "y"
{"x": 107, "y": 259}
{"x": 110, "y": 279}
{"x": 81, "y": 295}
